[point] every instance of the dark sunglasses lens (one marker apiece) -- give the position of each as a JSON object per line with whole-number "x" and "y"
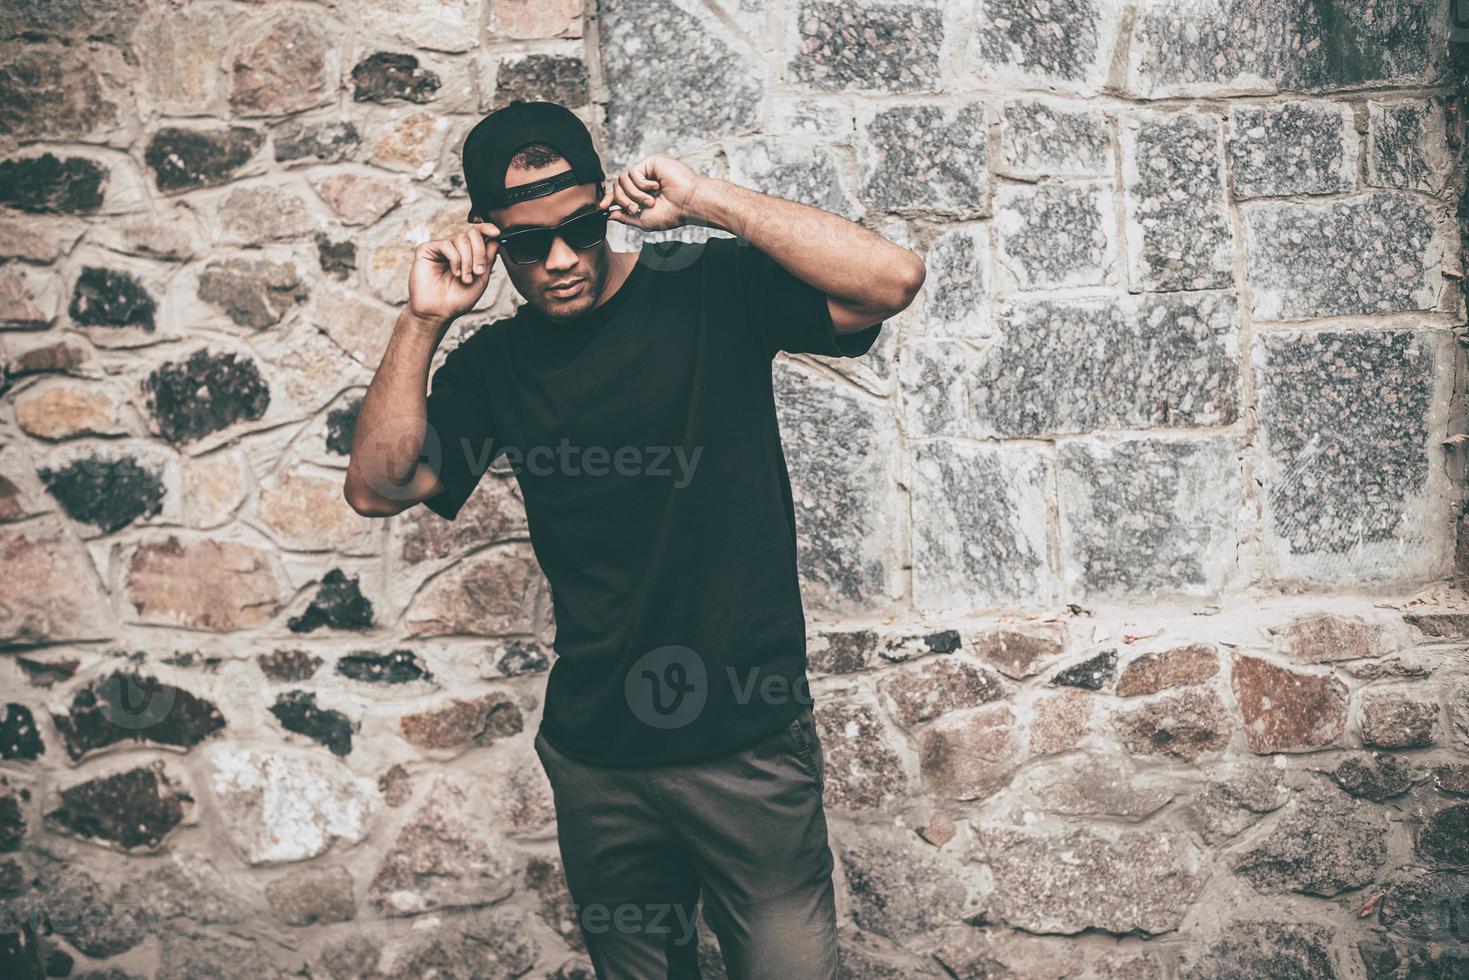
{"x": 525, "y": 247}
{"x": 586, "y": 231}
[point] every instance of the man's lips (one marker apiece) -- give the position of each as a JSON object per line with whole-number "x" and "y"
{"x": 566, "y": 290}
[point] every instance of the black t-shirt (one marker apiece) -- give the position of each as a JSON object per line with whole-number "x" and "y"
{"x": 644, "y": 438}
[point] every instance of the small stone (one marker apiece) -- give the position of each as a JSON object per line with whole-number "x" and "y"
{"x": 968, "y": 755}
{"x": 184, "y": 954}
{"x": 187, "y": 159}
{"x": 64, "y": 411}
{"x": 1093, "y": 784}
{"x": 303, "y": 509}
{"x": 1150, "y": 673}
{"x": 297, "y": 712}
{"x": 1060, "y": 722}
{"x": 1328, "y": 638}
{"x": 461, "y": 723}
{"x": 1183, "y": 726}
{"x": 339, "y": 604}
{"x": 398, "y": 667}
{"x": 1287, "y": 711}
{"x": 1407, "y": 145}
{"x": 313, "y": 896}
{"x": 385, "y": 76}
{"x": 1376, "y": 777}
{"x": 204, "y": 393}
{"x": 290, "y": 666}
{"x": 12, "y": 819}
{"x": 49, "y": 586}
{"x": 19, "y": 737}
{"x": 133, "y": 810}
{"x": 358, "y": 199}
{"x": 1054, "y": 236}
{"x": 337, "y": 259}
{"x": 107, "y": 493}
{"x": 32, "y": 297}
{"x": 258, "y": 213}
{"x": 1091, "y": 674}
{"x": 130, "y": 707}
{"x": 396, "y": 786}
{"x": 1024, "y": 45}
{"x": 486, "y": 595}
{"x": 927, "y": 690}
{"x": 542, "y": 78}
{"x": 1452, "y": 779}
{"x": 326, "y": 142}
{"x": 111, "y": 298}
{"x": 939, "y": 830}
{"x": 1443, "y": 838}
{"x": 1396, "y": 720}
{"x": 1392, "y": 667}
{"x": 1324, "y": 844}
{"x": 46, "y": 184}
{"x": 1018, "y": 653}
{"x": 341, "y": 427}
{"x": 253, "y": 293}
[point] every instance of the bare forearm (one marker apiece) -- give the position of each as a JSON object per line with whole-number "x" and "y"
{"x": 393, "y": 417}
{"x": 840, "y": 257}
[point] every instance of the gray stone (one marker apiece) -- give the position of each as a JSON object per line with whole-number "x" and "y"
{"x": 204, "y": 393}
{"x": 1376, "y": 777}
{"x": 899, "y": 887}
{"x": 491, "y": 944}
{"x": 845, "y": 535}
{"x": 1092, "y": 674}
{"x": 933, "y": 378}
{"x": 1061, "y": 44}
{"x": 1052, "y": 236}
{"x": 1344, "y": 474}
{"x": 1178, "y": 233}
{"x": 1428, "y": 905}
{"x": 1095, "y": 784}
{"x": 1399, "y": 719}
{"x": 254, "y": 293}
{"x": 1285, "y": 148}
{"x": 1064, "y": 366}
{"x": 1225, "y": 808}
{"x": 328, "y": 141}
{"x": 77, "y": 909}
{"x": 1324, "y": 843}
{"x": 926, "y": 158}
{"x": 1408, "y": 146}
{"x": 969, "y": 755}
{"x": 881, "y": 47}
{"x": 1327, "y": 638}
{"x": 796, "y": 172}
{"x": 1442, "y": 840}
{"x": 186, "y": 954}
{"x": 186, "y": 159}
{"x": 956, "y": 290}
{"x": 1279, "y": 950}
{"x": 1234, "y": 46}
{"x": 542, "y": 78}
{"x": 1182, "y": 726}
{"x": 1067, "y": 881}
{"x": 184, "y": 886}
{"x": 1371, "y": 253}
{"x": 1389, "y": 960}
{"x": 1145, "y": 515}
{"x": 678, "y": 79}
{"x": 1052, "y": 139}
{"x": 979, "y": 525}
{"x": 313, "y": 896}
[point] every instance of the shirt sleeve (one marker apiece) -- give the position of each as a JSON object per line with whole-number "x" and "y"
{"x": 459, "y": 442}
{"x": 788, "y": 313}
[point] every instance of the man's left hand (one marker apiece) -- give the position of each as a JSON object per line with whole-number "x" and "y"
{"x": 655, "y": 194}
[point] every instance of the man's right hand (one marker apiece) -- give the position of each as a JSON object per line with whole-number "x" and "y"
{"x": 449, "y": 275}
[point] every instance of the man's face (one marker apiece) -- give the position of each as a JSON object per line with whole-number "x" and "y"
{"x": 563, "y": 264}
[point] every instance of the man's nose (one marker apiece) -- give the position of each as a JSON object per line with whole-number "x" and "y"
{"x": 562, "y": 256}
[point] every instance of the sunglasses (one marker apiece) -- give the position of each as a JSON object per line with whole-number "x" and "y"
{"x": 534, "y": 244}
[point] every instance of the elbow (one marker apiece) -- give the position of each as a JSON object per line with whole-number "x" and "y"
{"x": 909, "y": 275}
{"x": 362, "y": 500}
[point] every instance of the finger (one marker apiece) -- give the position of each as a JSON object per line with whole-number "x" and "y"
{"x": 451, "y": 253}
{"x": 622, "y": 200}
{"x": 477, "y": 251}
{"x": 606, "y": 200}
{"x": 644, "y": 183}
{"x": 634, "y": 195}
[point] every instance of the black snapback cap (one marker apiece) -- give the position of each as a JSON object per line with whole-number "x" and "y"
{"x": 499, "y": 136}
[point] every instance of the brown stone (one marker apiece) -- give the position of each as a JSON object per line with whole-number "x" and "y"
{"x": 358, "y": 326}
{"x": 490, "y": 594}
{"x": 55, "y": 91}
{"x": 48, "y": 588}
{"x": 1019, "y": 652}
{"x": 925, "y": 691}
{"x": 1440, "y": 626}
{"x": 968, "y": 755}
{"x": 1397, "y": 720}
{"x": 1326, "y": 638}
{"x": 313, "y": 896}
{"x": 306, "y": 512}
{"x": 1060, "y": 721}
{"x": 411, "y": 141}
{"x": 22, "y": 239}
{"x": 284, "y": 67}
{"x": 396, "y": 786}
{"x": 461, "y": 723}
{"x": 529, "y": 804}
{"x": 494, "y": 512}
{"x": 1285, "y": 710}
{"x": 1183, "y": 726}
{"x": 1163, "y": 669}
{"x": 259, "y": 214}
{"x": 201, "y": 583}
{"x": 57, "y": 357}
{"x": 66, "y": 409}
{"x": 863, "y": 771}
{"x": 528, "y": 20}
{"x": 214, "y": 487}
{"x": 30, "y": 297}
{"x": 359, "y": 199}
{"x": 939, "y": 830}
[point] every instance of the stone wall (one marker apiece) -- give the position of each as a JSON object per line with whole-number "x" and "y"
{"x": 1127, "y": 550}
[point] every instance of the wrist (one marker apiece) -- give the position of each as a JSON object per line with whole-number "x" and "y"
{"x": 709, "y": 203}
{"x": 423, "y": 323}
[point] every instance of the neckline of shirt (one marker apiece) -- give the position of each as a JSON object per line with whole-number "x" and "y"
{"x": 598, "y": 315}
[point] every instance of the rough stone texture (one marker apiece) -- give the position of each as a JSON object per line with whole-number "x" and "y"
{"x": 1376, "y": 777}
{"x": 1442, "y": 840}
{"x": 1289, "y": 951}
{"x": 905, "y": 57}
{"x": 1346, "y": 410}
{"x": 186, "y": 159}
{"x": 106, "y": 493}
{"x": 1224, "y": 808}
{"x": 48, "y": 589}
{"x": 1140, "y": 516}
{"x": 925, "y": 691}
{"x": 312, "y": 895}
{"x": 205, "y": 393}
{"x": 111, "y": 298}
{"x": 1399, "y": 719}
{"x": 968, "y": 755}
{"x": 1326, "y": 638}
{"x": 1040, "y": 138}
{"x": 338, "y": 604}
{"x": 898, "y": 887}
{"x": 1018, "y": 653}
{"x": 19, "y": 738}
{"x": 962, "y": 495}
{"x": 297, "y": 711}
{"x": 1183, "y": 726}
{"x": 131, "y": 810}
{"x": 923, "y": 157}
{"x": 253, "y": 293}
{"x": 1095, "y": 784}
{"x": 1371, "y": 253}
{"x": 463, "y": 723}
{"x": 130, "y": 707}
{"x": 1065, "y": 881}
{"x": 1323, "y": 844}
{"x": 1178, "y": 236}
{"x": 1067, "y": 366}
{"x": 1292, "y": 148}
{"x": 47, "y": 184}
{"x": 956, "y": 291}
{"x": 1054, "y": 236}
{"x": 487, "y": 595}
{"x": 1407, "y": 145}
{"x": 1065, "y": 45}
{"x": 1285, "y": 710}
{"x": 862, "y": 768}
{"x": 1092, "y": 674}
{"x": 1061, "y": 721}
{"x": 201, "y": 583}
{"x": 1150, "y": 673}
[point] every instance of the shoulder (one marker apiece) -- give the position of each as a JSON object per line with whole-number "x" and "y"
{"x": 477, "y": 342}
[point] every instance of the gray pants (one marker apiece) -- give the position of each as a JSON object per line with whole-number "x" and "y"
{"x": 745, "y": 830}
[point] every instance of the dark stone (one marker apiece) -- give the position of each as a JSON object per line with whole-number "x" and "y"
{"x": 927, "y": 158}
{"x": 13, "y": 879}
{"x": 336, "y": 258}
{"x": 1377, "y": 777}
{"x": 192, "y": 659}
{"x": 1093, "y": 674}
{"x": 385, "y": 75}
{"x": 46, "y": 674}
{"x": 19, "y": 737}
{"x": 1280, "y": 951}
{"x": 74, "y": 20}
{"x": 205, "y": 393}
{"x": 1428, "y": 905}
{"x": 339, "y": 604}
{"x": 46, "y": 184}
{"x": 111, "y": 298}
{"x": 398, "y": 667}
{"x": 1411, "y": 961}
{"x": 1443, "y": 840}
{"x": 254, "y": 293}
{"x": 12, "y": 821}
{"x": 341, "y": 425}
{"x": 288, "y": 665}
{"x": 129, "y": 706}
{"x": 542, "y": 77}
{"x": 945, "y": 641}
{"x": 105, "y": 493}
{"x": 183, "y": 159}
{"x": 132, "y": 809}
{"x": 327, "y": 142}
{"x": 522, "y": 658}
{"x": 890, "y": 48}
{"x": 297, "y": 712}
{"x": 1324, "y": 844}
{"x": 1452, "y": 778}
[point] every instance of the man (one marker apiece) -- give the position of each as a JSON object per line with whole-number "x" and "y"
{"x": 632, "y": 396}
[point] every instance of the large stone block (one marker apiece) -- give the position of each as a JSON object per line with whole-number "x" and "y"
{"x": 956, "y": 291}
{"x": 1041, "y": 138}
{"x": 58, "y": 91}
{"x": 1408, "y": 145}
{"x": 1323, "y": 844}
{"x": 1286, "y": 710}
{"x": 1372, "y": 253}
{"x": 682, "y": 78}
{"x": 1300, "y": 951}
{"x": 882, "y": 47}
{"x": 1147, "y": 515}
{"x": 1066, "y": 44}
{"x": 490, "y": 594}
{"x": 49, "y": 590}
{"x": 1178, "y": 234}
{"x": 1065, "y": 366}
{"x": 1052, "y": 236}
{"x": 1306, "y": 147}
{"x": 284, "y": 65}
{"x": 863, "y": 771}
{"x": 979, "y": 525}
{"x": 925, "y": 158}
{"x": 1352, "y": 483}
{"x": 900, "y": 887}
{"x": 794, "y": 171}
{"x": 202, "y": 584}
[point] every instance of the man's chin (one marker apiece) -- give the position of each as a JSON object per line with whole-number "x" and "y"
{"x": 556, "y": 309}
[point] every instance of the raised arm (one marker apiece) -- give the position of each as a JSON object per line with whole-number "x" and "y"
{"x": 384, "y": 475}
